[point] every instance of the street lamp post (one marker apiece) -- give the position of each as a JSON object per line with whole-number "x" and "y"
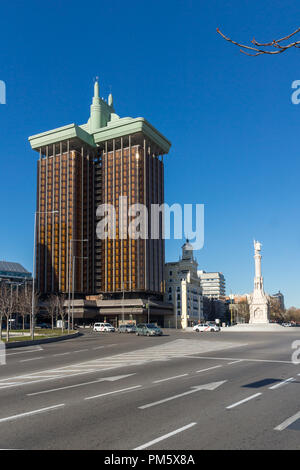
{"x": 33, "y": 269}
{"x": 231, "y": 309}
{"x": 73, "y": 284}
{"x": 72, "y": 240}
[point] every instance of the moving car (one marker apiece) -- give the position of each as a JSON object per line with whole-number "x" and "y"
{"x": 129, "y": 328}
{"x": 206, "y": 327}
{"x": 103, "y": 327}
{"x": 148, "y": 329}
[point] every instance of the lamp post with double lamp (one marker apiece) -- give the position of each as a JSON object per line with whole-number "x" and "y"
{"x": 33, "y": 269}
{"x": 72, "y": 240}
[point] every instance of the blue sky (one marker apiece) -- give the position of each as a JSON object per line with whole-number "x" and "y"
{"x": 233, "y": 127}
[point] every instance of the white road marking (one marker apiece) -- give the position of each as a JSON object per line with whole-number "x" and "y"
{"x": 235, "y": 362}
{"x": 52, "y": 377}
{"x": 32, "y": 359}
{"x": 29, "y": 413}
{"x": 166, "y": 436}
{"x": 243, "y": 401}
{"x": 169, "y": 378}
{"x": 99, "y": 347}
{"x": 197, "y": 388}
{"x": 240, "y": 359}
{"x": 79, "y": 350}
{"x": 104, "y": 379}
{"x": 38, "y": 348}
{"x": 287, "y": 422}
{"x": 291, "y": 379}
{"x": 115, "y": 391}
{"x": 176, "y": 349}
{"x": 209, "y": 368}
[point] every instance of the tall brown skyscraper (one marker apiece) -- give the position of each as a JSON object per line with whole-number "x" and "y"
{"x": 80, "y": 168}
{"x": 131, "y": 170}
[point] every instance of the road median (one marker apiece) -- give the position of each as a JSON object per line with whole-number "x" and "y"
{"x": 29, "y": 342}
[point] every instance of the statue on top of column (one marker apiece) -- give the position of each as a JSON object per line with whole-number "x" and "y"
{"x": 257, "y": 246}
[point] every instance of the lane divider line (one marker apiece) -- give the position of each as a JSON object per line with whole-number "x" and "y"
{"x": 166, "y": 436}
{"x": 115, "y": 391}
{"x": 29, "y": 413}
{"x": 32, "y": 359}
{"x": 23, "y": 352}
{"x": 209, "y": 368}
{"x": 243, "y": 401}
{"x": 242, "y": 359}
{"x": 169, "y": 378}
{"x": 287, "y": 422}
{"x": 284, "y": 382}
{"x": 61, "y": 354}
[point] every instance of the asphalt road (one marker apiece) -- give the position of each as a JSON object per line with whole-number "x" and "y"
{"x": 180, "y": 391}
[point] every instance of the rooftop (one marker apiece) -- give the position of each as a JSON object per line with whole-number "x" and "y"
{"x": 8, "y": 267}
{"x": 103, "y": 125}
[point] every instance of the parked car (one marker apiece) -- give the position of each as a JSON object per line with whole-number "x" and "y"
{"x": 129, "y": 328}
{"x": 206, "y": 327}
{"x": 148, "y": 329}
{"x": 286, "y": 324}
{"x": 103, "y": 327}
{"x": 43, "y": 325}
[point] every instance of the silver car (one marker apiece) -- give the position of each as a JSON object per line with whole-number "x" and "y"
{"x": 129, "y": 328}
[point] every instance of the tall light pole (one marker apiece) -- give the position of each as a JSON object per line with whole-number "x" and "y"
{"x": 73, "y": 284}
{"x": 123, "y": 303}
{"x": 72, "y": 240}
{"x": 33, "y": 269}
{"x": 231, "y": 309}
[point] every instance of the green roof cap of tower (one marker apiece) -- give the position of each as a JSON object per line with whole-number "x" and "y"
{"x": 103, "y": 125}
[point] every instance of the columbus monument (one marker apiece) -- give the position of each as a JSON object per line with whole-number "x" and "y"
{"x": 258, "y": 301}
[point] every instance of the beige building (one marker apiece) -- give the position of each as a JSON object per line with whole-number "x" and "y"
{"x": 183, "y": 290}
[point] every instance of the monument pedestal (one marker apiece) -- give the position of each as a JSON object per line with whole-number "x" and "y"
{"x": 256, "y": 328}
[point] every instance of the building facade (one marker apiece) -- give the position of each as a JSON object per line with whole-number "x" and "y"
{"x": 213, "y": 285}
{"x": 213, "y": 290}
{"x": 183, "y": 289}
{"x": 279, "y": 297}
{"x": 111, "y": 161}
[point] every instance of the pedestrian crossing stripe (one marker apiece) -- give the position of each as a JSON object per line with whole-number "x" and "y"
{"x": 171, "y": 350}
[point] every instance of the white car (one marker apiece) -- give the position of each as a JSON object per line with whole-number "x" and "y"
{"x": 206, "y": 327}
{"x": 103, "y": 327}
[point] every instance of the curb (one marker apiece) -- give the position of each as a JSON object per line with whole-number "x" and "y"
{"x": 18, "y": 344}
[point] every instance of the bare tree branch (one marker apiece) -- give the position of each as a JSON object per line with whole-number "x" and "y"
{"x": 260, "y": 47}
